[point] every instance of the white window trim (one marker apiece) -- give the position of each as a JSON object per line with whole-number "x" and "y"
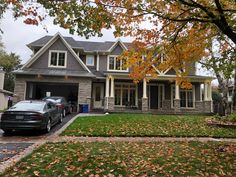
{"x": 108, "y": 63}
{"x": 87, "y": 60}
{"x": 121, "y": 98}
{"x": 57, "y": 51}
{"x": 194, "y": 100}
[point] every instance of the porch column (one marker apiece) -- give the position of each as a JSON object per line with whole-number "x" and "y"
{"x": 176, "y": 91}
{"x": 200, "y": 91}
{"x": 112, "y": 87}
{"x": 144, "y": 88}
{"x": 209, "y": 91}
{"x": 207, "y": 97}
{"x": 144, "y": 98}
{"x": 205, "y": 91}
{"x": 97, "y": 67}
{"x": 177, "y": 99}
{"x": 107, "y": 86}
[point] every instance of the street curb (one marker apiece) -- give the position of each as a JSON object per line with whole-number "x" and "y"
{"x": 58, "y": 132}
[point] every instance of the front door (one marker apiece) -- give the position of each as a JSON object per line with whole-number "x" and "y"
{"x": 153, "y": 97}
{"x": 98, "y": 95}
{"x": 156, "y": 93}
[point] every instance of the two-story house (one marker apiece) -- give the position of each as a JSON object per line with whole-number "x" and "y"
{"x": 90, "y": 73}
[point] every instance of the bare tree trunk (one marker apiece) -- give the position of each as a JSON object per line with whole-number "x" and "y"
{"x": 234, "y": 91}
{"x": 223, "y": 87}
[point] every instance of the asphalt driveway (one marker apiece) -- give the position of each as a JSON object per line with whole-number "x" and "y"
{"x": 11, "y": 145}
{"x": 32, "y": 134}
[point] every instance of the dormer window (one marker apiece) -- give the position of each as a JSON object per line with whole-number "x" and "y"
{"x": 90, "y": 60}
{"x": 115, "y": 64}
{"x": 57, "y": 59}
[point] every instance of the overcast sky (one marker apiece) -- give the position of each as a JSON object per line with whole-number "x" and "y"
{"x": 16, "y": 35}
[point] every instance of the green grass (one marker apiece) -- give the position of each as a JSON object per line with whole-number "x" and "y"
{"x": 127, "y": 159}
{"x": 146, "y": 125}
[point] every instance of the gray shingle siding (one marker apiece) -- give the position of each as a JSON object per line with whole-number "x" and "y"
{"x": 42, "y": 61}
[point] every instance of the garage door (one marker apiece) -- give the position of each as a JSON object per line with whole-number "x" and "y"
{"x": 39, "y": 90}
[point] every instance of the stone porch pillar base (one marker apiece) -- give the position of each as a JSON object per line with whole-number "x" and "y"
{"x": 144, "y": 104}
{"x": 177, "y": 106}
{"x": 207, "y": 105}
{"x": 109, "y": 103}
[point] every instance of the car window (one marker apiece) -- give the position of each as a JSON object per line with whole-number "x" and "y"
{"x": 28, "y": 106}
{"x": 51, "y": 105}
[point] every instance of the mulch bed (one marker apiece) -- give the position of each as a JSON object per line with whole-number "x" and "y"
{"x": 223, "y": 124}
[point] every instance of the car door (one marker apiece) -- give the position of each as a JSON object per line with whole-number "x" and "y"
{"x": 52, "y": 111}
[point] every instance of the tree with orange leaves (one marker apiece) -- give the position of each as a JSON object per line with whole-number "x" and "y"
{"x": 179, "y": 29}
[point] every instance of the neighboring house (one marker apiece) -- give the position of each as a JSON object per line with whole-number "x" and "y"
{"x": 90, "y": 73}
{"x": 4, "y": 94}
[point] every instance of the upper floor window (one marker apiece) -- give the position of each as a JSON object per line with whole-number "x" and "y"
{"x": 57, "y": 59}
{"x": 115, "y": 64}
{"x": 90, "y": 60}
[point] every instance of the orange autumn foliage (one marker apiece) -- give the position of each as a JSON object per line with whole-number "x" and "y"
{"x": 179, "y": 30}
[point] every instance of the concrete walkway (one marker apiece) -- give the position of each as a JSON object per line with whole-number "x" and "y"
{"x": 55, "y": 138}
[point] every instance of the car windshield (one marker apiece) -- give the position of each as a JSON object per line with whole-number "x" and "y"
{"x": 28, "y": 106}
{"x": 54, "y": 99}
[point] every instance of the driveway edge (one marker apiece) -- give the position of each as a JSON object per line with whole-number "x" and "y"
{"x": 13, "y": 160}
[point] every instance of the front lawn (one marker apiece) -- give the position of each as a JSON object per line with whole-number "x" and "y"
{"x": 129, "y": 159}
{"x": 146, "y": 125}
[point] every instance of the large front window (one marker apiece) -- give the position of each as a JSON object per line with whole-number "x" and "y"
{"x": 57, "y": 59}
{"x": 116, "y": 64}
{"x": 186, "y": 97}
{"x": 125, "y": 95}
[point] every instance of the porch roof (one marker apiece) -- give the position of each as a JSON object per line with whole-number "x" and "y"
{"x": 53, "y": 72}
{"x": 193, "y": 78}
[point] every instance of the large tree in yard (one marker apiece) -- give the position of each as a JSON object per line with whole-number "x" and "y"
{"x": 8, "y": 63}
{"x": 222, "y": 62}
{"x": 179, "y": 29}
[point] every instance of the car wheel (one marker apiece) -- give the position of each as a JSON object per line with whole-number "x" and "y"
{"x": 60, "y": 118}
{"x": 70, "y": 110}
{"x": 64, "y": 113}
{"x": 48, "y": 126}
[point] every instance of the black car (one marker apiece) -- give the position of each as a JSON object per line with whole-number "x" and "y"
{"x": 29, "y": 115}
{"x": 61, "y": 103}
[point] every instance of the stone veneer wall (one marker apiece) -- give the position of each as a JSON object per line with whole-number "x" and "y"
{"x": 109, "y": 103}
{"x": 201, "y": 107}
{"x": 19, "y": 90}
{"x": 144, "y": 104}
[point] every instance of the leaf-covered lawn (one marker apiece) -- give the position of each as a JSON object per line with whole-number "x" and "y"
{"x": 128, "y": 159}
{"x": 146, "y": 125}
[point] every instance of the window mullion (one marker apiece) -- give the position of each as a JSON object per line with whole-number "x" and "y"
{"x": 114, "y": 65}
{"x": 57, "y": 58}
{"x": 121, "y": 95}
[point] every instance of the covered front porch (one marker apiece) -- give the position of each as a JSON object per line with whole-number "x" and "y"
{"x": 161, "y": 95}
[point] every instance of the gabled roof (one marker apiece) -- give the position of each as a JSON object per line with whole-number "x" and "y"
{"x": 87, "y": 46}
{"x": 47, "y": 45}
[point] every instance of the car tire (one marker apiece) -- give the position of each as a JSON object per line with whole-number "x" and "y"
{"x": 7, "y": 132}
{"x": 64, "y": 113}
{"x": 60, "y": 118}
{"x": 48, "y": 126}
